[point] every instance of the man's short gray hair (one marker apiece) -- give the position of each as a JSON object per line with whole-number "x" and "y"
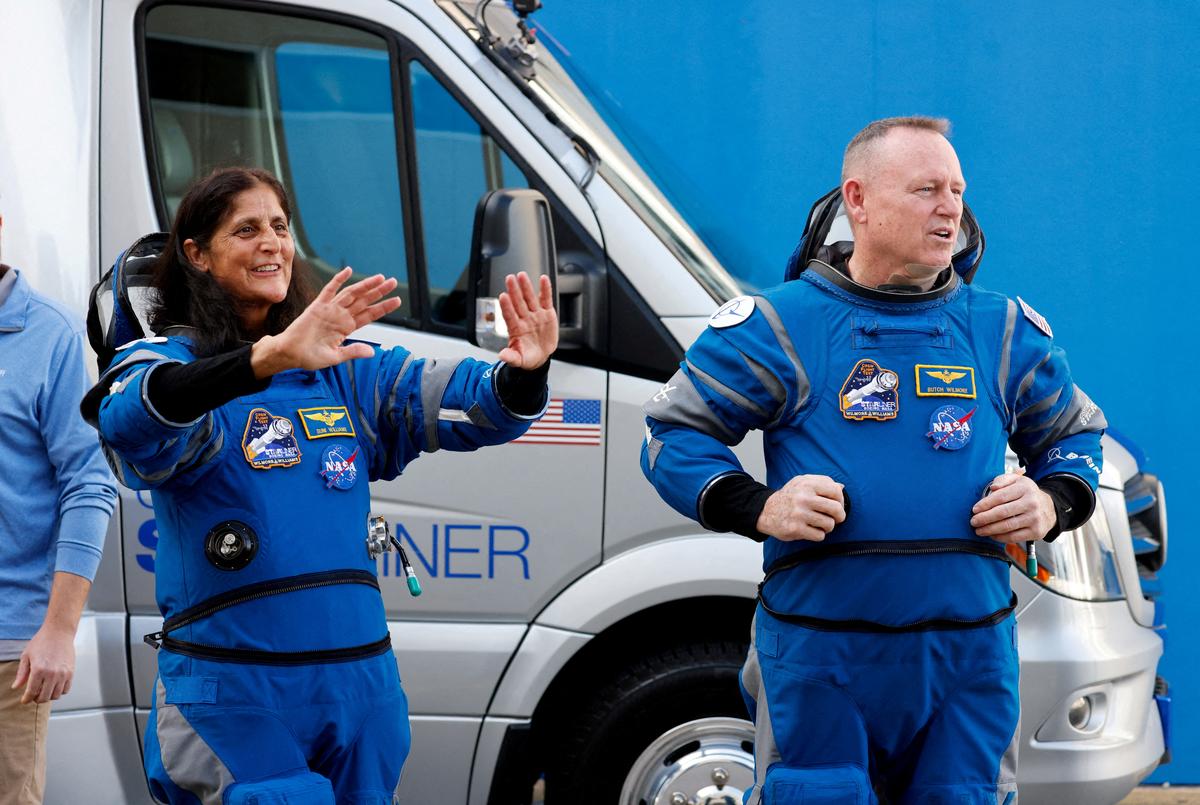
{"x": 861, "y": 145}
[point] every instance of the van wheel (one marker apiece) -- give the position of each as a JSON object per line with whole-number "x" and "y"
{"x": 671, "y": 723}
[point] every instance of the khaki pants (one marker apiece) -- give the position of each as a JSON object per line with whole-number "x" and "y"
{"x": 22, "y": 743}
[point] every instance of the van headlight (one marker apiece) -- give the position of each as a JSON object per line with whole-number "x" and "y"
{"x": 1080, "y": 564}
{"x": 1080, "y": 713}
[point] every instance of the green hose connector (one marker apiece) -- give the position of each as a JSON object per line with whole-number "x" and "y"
{"x": 414, "y": 584}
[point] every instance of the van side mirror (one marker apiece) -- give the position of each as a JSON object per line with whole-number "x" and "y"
{"x": 513, "y": 233}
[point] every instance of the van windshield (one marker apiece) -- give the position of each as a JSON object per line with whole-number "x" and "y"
{"x": 617, "y": 166}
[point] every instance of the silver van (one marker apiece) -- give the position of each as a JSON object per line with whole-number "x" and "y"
{"x": 572, "y": 626}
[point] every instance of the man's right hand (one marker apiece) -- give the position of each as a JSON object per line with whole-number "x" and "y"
{"x": 808, "y": 507}
{"x": 47, "y": 665}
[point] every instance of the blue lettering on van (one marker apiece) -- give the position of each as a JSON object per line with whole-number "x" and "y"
{"x": 457, "y": 550}
{"x": 147, "y": 538}
{"x": 450, "y": 529}
{"x": 147, "y": 533}
{"x": 517, "y": 553}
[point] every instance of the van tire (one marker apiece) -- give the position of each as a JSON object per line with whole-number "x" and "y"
{"x": 644, "y": 699}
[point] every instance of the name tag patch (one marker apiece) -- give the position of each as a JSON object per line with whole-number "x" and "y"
{"x": 269, "y": 441}
{"x": 870, "y": 392}
{"x": 330, "y": 420}
{"x": 937, "y": 380}
{"x": 338, "y": 468}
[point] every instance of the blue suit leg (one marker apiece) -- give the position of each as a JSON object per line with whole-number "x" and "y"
{"x": 365, "y": 759}
{"x": 198, "y": 751}
{"x": 969, "y": 754}
{"x": 811, "y": 741}
{"x": 162, "y": 787}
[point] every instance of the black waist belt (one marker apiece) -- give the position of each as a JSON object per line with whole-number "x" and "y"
{"x": 263, "y": 589}
{"x": 894, "y": 548}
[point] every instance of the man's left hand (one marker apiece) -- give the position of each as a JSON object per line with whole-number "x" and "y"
{"x": 47, "y": 665}
{"x": 531, "y": 319}
{"x": 1015, "y": 510}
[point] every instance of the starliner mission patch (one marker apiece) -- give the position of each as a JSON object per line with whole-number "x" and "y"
{"x": 870, "y": 392}
{"x": 269, "y": 440}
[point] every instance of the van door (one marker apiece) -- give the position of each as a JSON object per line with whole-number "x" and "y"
{"x": 385, "y": 141}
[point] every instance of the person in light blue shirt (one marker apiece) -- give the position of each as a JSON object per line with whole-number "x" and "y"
{"x": 55, "y": 505}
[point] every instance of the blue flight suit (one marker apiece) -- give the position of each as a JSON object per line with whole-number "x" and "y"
{"x": 887, "y": 652}
{"x": 277, "y": 681}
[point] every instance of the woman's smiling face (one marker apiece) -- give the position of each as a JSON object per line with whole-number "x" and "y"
{"x": 250, "y": 254}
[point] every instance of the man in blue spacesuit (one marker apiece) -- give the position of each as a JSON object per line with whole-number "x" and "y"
{"x": 258, "y": 427}
{"x": 884, "y": 658}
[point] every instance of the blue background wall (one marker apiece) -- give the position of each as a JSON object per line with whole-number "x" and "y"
{"x": 1076, "y": 125}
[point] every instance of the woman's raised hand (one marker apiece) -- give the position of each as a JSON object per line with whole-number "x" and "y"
{"x": 531, "y": 319}
{"x": 315, "y": 339}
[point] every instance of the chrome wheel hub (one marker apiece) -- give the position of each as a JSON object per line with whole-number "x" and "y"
{"x": 709, "y": 761}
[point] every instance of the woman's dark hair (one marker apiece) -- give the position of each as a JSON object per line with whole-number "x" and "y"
{"x": 187, "y": 296}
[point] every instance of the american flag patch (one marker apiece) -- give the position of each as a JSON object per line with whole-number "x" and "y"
{"x": 566, "y": 422}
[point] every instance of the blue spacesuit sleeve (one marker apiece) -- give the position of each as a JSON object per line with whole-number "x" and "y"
{"x": 427, "y": 404}
{"x": 732, "y": 380}
{"x": 144, "y": 448}
{"x": 1055, "y": 428}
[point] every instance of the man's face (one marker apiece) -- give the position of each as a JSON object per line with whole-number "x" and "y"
{"x": 913, "y": 198}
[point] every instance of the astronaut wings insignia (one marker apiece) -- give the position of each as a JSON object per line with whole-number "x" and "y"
{"x": 328, "y": 417}
{"x": 329, "y": 420}
{"x": 947, "y": 376}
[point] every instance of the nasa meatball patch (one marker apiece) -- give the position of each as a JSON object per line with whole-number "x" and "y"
{"x": 337, "y": 467}
{"x": 950, "y": 427}
{"x": 269, "y": 441}
{"x": 870, "y": 392}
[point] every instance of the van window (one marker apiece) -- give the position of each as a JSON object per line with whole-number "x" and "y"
{"x": 309, "y": 101}
{"x": 457, "y": 162}
{"x": 458, "y": 159}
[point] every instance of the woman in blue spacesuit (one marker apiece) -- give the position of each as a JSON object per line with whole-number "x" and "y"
{"x": 258, "y": 427}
